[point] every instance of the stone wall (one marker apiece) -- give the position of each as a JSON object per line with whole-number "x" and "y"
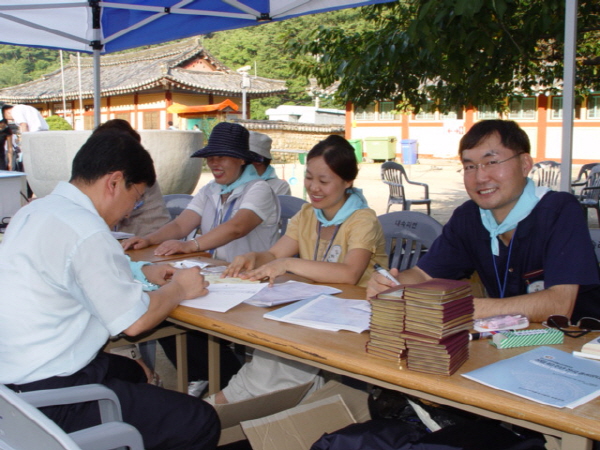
{"x": 291, "y": 138}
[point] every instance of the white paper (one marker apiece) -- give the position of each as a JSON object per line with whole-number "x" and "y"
{"x": 326, "y": 313}
{"x": 224, "y": 296}
{"x": 188, "y": 263}
{"x": 289, "y": 291}
{"x": 121, "y": 234}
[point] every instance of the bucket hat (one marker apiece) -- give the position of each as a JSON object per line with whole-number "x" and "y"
{"x": 260, "y": 144}
{"x": 227, "y": 139}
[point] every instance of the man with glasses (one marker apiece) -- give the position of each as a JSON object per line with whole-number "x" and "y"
{"x": 530, "y": 246}
{"x": 67, "y": 287}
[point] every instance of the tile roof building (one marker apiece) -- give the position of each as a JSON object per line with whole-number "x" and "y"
{"x": 141, "y": 85}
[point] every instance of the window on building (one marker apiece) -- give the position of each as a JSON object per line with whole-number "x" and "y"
{"x": 450, "y": 115}
{"x": 485, "y": 112}
{"x": 522, "y": 108}
{"x": 88, "y": 122}
{"x": 367, "y": 113}
{"x": 152, "y": 120}
{"x": 593, "y": 107}
{"x": 386, "y": 111}
{"x": 427, "y": 112}
{"x": 123, "y": 116}
{"x": 557, "y": 108}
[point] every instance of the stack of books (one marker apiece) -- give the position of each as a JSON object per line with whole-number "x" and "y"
{"x": 439, "y": 315}
{"x": 386, "y": 326}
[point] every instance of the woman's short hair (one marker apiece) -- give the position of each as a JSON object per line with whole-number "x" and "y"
{"x": 338, "y": 155}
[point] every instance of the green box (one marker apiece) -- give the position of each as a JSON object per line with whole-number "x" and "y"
{"x": 358, "y": 148}
{"x": 382, "y": 148}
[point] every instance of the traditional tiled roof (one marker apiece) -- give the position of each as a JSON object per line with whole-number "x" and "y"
{"x": 154, "y": 69}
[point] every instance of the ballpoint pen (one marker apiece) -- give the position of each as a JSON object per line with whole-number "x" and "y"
{"x": 385, "y": 273}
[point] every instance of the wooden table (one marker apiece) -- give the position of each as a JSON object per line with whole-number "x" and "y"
{"x": 343, "y": 353}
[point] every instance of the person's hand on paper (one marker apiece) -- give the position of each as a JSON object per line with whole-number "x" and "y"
{"x": 378, "y": 283}
{"x": 172, "y": 247}
{"x": 158, "y": 273}
{"x": 190, "y": 282}
{"x": 135, "y": 243}
{"x": 270, "y": 270}
{"x": 240, "y": 265}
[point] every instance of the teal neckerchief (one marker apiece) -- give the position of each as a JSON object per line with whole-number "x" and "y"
{"x": 529, "y": 198}
{"x": 269, "y": 173}
{"x": 248, "y": 174}
{"x": 355, "y": 202}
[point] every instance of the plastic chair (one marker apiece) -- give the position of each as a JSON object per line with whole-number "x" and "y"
{"x": 24, "y": 427}
{"x": 583, "y": 175}
{"x": 408, "y": 235}
{"x": 546, "y": 173}
{"x": 595, "y": 235}
{"x": 589, "y": 197}
{"x": 176, "y": 203}
{"x": 394, "y": 175}
{"x": 290, "y": 205}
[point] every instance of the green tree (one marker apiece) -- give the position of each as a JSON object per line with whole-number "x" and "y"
{"x": 21, "y": 64}
{"x": 263, "y": 48}
{"x": 455, "y": 52}
{"x": 58, "y": 123}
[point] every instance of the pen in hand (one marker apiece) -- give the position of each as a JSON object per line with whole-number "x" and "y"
{"x": 385, "y": 273}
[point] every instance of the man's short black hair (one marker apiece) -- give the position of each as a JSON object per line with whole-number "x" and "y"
{"x": 511, "y": 135}
{"x": 113, "y": 150}
{"x": 4, "y": 108}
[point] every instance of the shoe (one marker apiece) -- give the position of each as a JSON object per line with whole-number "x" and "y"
{"x": 195, "y": 388}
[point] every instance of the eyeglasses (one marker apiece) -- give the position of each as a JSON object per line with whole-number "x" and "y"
{"x": 471, "y": 168}
{"x": 138, "y": 204}
{"x": 585, "y": 325}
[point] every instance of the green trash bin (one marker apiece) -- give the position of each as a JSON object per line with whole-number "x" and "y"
{"x": 302, "y": 158}
{"x": 380, "y": 148}
{"x": 358, "y": 148}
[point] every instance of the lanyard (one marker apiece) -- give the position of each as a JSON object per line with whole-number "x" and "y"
{"x": 337, "y": 227}
{"x": 220, "y": 218}
{"x": 502, "y": 286}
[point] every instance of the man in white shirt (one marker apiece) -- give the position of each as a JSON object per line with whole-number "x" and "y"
{"x": 27, "y": 117}
{"x": 67, "y": 287}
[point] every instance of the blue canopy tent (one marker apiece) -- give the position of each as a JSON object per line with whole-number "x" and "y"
{"x": 113, "y": 25}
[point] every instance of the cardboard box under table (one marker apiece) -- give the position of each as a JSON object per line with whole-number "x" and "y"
{"x": 276, "y": 421}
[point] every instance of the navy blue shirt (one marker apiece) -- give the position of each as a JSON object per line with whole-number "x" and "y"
{"x": 551, "y": 246}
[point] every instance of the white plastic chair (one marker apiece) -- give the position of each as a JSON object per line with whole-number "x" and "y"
{"x": 24, "y": 427}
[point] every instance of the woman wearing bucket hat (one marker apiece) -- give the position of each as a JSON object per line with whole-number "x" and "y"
{"x": 237, "y": 212}
{"x": 338, "y": 239}
{"x": 260, "y": 144}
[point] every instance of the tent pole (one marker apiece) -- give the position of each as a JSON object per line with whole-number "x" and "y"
{"x": 568, "y": 94}
{"x": 96, "y": 45}
{"x": 97, "y": 93}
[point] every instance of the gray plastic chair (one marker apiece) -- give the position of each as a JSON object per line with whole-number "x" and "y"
{"x": 595, "y": 235}
{"x": 546, "y": 173}
{"x": 394, "y": 175}
{"x": 408, "y": 235}
{"x": 589, "y": 197}
{"x": 290, "y": 205}
{"x": 24, "y": 427}
{"x": 176, "y": 203}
